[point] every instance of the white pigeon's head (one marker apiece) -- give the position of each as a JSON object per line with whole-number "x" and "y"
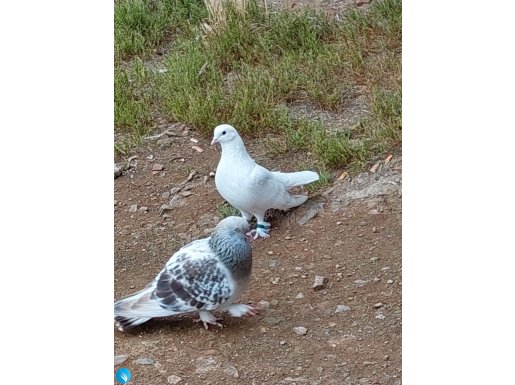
{"x": 224, "y": 133}
{"x": 234, "y": 223}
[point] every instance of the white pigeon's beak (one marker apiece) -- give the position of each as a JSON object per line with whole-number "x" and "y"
{"x": 214, "y": 141}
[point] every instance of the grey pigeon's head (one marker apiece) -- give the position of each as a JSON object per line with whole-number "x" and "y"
{"x": 224, "y": 133}
{"x": 238, "y": 224}
{"x": 231, "y": 245}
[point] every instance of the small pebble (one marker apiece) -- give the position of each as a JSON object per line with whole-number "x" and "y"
{"x": 157, "y": 167}
{"x": 300, "y": 330}
{"x": 332, "y": 324}
{"x": 390, "y": 281}
{"x": 299, "y": 296}
{"x": 378, "y": 305}
{"x": 320, "y": 282}
{"x": 341, "y": 309}
{"x": 211, "y": 174}
{"x": 274, "y": 302}
{"x": 144, "y": 361}
{"x": 282, "y": 342}
{"x": 270, "y": 252}
{"x": 173, "y": 379}
{"x": 118, "y": 360}
{"x": 264, "y": 304}
{"x": 133, "y": 208}
{"x": 231, "y": 371}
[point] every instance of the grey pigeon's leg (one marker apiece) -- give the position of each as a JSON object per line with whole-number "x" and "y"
{"x": 207, "y": 318}
{"x": 238, "y": 310}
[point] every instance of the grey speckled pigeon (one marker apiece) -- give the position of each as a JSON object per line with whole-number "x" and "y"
{"x": 206, "y": 274}
{"x": 250, "y": 188}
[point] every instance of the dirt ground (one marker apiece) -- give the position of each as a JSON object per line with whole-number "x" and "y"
{"x": 349, "y": 232}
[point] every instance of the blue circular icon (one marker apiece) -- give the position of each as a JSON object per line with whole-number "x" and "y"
{"x": 123, "y": 375}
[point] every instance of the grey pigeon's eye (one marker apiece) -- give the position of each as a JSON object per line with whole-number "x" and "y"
{"x": 223, "y": 133}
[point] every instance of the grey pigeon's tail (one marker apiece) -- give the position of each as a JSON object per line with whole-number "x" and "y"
{"x": 292, "y": 179}
{"x": 123, "y": 323}
{"x": 136, "y": 309}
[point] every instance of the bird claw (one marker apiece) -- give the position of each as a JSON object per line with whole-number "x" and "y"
{"x": 207, "y": 319}
{"x": 262, "y": 231}
{"x": 209, "y": 322}
{"x": 239, "y": 310}
{"x": 254, "y": 234}
{"x": 254, "y": 310}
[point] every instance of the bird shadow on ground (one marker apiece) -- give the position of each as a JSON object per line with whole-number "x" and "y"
{"x": 174, "y": 325}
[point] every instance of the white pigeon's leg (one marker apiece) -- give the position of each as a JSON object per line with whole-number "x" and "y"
{"x": 246, "y": 215}
{"x": 238, "y": 310}
{"x": 262, "y": 228}
{"x": 207, "y": 319}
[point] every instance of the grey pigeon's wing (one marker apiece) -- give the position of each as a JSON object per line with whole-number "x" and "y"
{"x": 193, "y": 282}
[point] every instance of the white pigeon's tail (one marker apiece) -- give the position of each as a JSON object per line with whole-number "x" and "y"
{"x": 292, "y": 179}
{"x": 295, "y": 200}
{"x": 137, "y": 308}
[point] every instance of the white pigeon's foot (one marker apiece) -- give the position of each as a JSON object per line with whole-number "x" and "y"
{"x": 238, "y": 310}
{"x": 207, "y": 319}
{"x": 262, "y": 230}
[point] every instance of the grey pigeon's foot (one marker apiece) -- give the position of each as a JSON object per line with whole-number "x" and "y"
{"x": 207, "y": 319}
{"x": 238, "y": 310}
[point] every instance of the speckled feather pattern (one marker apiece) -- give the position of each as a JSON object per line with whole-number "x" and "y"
{"x": 207, "y": 274}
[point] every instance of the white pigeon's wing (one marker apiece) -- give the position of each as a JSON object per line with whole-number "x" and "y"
{"x": 193, "y": 281}
{"x": 267, "y": 190}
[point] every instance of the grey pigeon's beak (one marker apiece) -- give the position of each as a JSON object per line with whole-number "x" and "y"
{"x": 214, "y": 141}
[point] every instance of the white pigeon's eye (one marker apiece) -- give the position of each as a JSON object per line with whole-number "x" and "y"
{"x": 223, "y": 133}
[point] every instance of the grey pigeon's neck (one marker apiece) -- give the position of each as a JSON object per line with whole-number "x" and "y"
{"x": 233, "y": 250}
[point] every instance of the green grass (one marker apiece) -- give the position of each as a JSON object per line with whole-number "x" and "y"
{"x": 226, "y": 210}
{"x": 133, "y": 98}
{"x": 141, "y": 25}
{"x": 325, "y": 179}
{"x": 246, "y": 72}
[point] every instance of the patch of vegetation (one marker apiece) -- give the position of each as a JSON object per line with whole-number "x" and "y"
{"x": 325, "y": 179}
{"x": 245, "y": 68}
{"x": 140, "y": 25}
{"x": 225, "y": 210}
{"x": 133, "y": 95}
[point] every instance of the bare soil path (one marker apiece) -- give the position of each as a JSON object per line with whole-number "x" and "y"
{"x": 349, "y": 232}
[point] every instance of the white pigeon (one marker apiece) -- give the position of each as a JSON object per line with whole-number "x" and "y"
{"x": 206, "y": 274}
{"x": 250, "y": 188}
